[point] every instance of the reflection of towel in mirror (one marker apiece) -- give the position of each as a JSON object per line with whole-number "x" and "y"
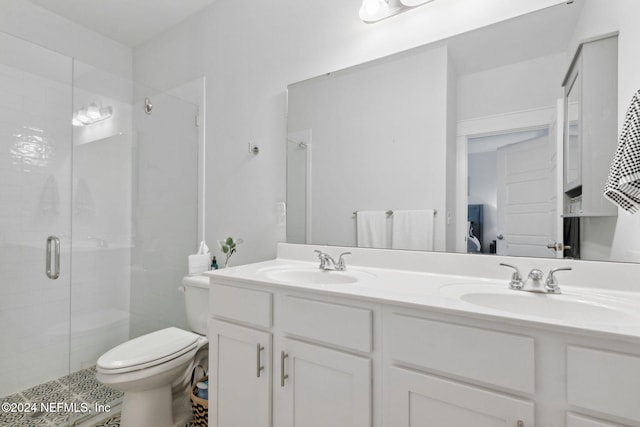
{"x": 50, "y": 199}
{"x": 623, "y": 184}
{"x": 371, "y": 229}
{"x": 413, "y": 229}
{"x": 83, "y": 202}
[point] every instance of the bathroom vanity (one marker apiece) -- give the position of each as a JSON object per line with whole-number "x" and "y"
{"x": 424, "y": 343}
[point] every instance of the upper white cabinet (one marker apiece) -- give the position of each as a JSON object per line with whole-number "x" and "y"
{"x": 591, "y": 116}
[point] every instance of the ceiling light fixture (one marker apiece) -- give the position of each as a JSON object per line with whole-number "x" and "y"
{"x": 90, "y": 114}
{"x": 377, "y": 10}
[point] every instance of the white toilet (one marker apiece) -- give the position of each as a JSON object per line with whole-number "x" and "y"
{"x": 154, "y": 370}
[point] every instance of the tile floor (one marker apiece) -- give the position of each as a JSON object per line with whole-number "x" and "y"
{"x": 114, "y": 422}
{"x": 86, "y": 392}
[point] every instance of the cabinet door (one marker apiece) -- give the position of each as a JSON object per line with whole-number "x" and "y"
{"x": 575, "y": 420}
{"x": 319, "y": 387}
{"x": 240, "y": 363}
{"x": 416, "y": 399}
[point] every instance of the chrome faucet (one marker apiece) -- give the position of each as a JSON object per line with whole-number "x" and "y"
{"x": 326, "y": 261}
{"x": 549, "y": 286}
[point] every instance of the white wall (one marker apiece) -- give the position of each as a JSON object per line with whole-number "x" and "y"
{"x": 249, "y": 52}
{"x": 600, "y": 18}
{"x": 509, "y": 88}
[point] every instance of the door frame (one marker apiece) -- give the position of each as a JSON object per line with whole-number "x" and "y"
{"x": 495, "y": 125}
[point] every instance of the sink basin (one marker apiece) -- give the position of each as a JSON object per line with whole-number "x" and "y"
{"x": 585, "y": 307}
{"x": 312, "y": 276}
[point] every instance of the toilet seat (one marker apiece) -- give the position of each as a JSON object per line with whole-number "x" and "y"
{"x": 147, "y": 351}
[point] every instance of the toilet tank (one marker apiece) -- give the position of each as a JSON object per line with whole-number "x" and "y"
{"x": 196, "y": 299}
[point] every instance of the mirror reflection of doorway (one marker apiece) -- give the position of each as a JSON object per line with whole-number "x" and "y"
{"x": 511, "y": 181}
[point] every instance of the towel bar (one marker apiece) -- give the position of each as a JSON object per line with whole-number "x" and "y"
{"x": 390, "y": 213}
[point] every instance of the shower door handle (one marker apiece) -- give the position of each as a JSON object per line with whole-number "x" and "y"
{"x": 53, "y": 273}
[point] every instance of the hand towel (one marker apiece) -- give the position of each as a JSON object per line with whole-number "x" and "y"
{"x": 371, "y": 229}
{"x": 413, "y": 230}
{"x": 623, "y": 183}
{"x": 50, "y": 199}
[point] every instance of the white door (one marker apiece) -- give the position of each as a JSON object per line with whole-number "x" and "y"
{"x": 241, "y": 362}
{"x": 527, "y": 198}
{"x": 320, "y": 387}
{"x": 416, "y": 399}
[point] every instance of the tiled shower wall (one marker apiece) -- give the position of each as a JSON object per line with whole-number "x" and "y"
{"x": 39, "y": 185}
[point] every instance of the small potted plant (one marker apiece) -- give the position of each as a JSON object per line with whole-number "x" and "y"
{"x": 229, "y": 246}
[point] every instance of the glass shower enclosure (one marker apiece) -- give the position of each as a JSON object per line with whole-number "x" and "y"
{"x": 98, "y": 211}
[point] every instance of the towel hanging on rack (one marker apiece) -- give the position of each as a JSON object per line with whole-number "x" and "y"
{"x": 623, "y": 185}
{"x": 371, "y": 229}
{"x": 413, "y": 230}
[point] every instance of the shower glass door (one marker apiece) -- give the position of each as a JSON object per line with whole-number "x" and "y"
{"x": 36, "y": 95}
{"x": 92, "y": 177}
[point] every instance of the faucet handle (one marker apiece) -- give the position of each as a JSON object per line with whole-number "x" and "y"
{"x": 323, "y": 259}
{"x": 516, "y": 279}
{"x": 341, "y": 264}
{"x": 550, "y": 284}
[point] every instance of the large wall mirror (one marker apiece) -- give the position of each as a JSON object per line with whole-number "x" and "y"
{"x": 451, "y": 128}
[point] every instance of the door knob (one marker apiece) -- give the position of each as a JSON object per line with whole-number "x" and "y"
{"x": 500, "y": 237}
{"x": 557, "y": 246}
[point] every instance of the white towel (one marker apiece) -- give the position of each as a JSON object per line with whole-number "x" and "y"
{"x": 413, "y": 230}
{"x": 371, "y": 229}
{"x": 623, "y": 184}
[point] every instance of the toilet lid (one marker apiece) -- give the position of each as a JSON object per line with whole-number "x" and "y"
{"x": 149, "y": 350}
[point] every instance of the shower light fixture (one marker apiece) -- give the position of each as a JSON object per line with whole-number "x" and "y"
{"x": 377, "y": 10}
{"x": 91, "y": 114}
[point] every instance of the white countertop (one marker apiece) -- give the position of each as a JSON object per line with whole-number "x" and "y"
{"x": 433, "y": 292}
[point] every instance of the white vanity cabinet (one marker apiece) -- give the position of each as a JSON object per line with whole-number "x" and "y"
{"x": 322, "y": 387}
{"x": 240, "y": 361}
{"x": 240, "y": 357}
{"x": 418, "y": 399}
{"x": 429, "y": 365}
{"x": 447, "y": 370}
{"x": 325, "y": 365}
{"x": 319, "y": 371}
{"x": 284, "y": 356}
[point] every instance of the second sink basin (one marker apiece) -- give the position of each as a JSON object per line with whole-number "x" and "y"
{"x": 585, "y": 307}
{"x": 312, "y": 276}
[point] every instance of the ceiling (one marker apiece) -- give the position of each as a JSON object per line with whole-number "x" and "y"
{"x": 130, "y": 22}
